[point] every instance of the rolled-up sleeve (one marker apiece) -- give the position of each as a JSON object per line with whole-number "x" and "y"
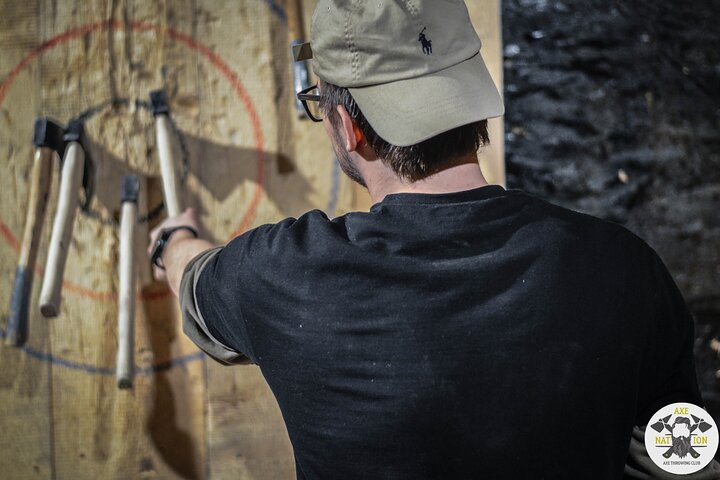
{"x": 194, "y": 325}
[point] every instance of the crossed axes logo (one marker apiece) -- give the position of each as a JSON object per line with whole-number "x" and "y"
{"x": 682, "y": 431}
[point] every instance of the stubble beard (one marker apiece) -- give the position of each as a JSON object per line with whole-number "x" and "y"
{"x": 345, "y": 160}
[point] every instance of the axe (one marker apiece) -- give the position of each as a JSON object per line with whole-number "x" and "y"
{"x": 126, "y": 295}
{"x": 71, "y": 176}
{"x": 160, "y": 110}
{"x": 47, "y": 138}
{"x": 301, "y": 74}
{"x": 661, "y": 424}
{"x": 701, "y": 424}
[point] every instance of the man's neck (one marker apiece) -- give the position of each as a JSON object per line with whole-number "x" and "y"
{"x": 461, "y": 177}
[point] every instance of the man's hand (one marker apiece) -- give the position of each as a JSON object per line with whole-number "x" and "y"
{"x": 180, "y": 249}
{"x": 189, "y": 218}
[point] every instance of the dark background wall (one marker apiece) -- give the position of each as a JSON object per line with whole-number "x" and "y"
{"x": 613, "y": 109}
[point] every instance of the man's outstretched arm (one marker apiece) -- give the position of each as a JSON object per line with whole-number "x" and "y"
{"x": 181, "y": 248}
{"x": 184, "y": 257}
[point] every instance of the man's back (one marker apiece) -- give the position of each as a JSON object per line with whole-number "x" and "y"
{"x": 479, "y": 333}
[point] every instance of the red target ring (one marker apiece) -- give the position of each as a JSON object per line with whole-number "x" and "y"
{"x": 189, "y": 42}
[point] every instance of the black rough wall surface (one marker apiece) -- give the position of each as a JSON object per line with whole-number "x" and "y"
{"x": 613, "y": 109}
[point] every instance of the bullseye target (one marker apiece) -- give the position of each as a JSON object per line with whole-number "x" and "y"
{"x": 211, "y": 166}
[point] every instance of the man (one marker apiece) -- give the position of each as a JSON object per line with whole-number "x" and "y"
{"x": 457, "y": 329}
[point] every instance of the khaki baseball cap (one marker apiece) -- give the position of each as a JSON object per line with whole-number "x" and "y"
{"x": 413, "y": 66}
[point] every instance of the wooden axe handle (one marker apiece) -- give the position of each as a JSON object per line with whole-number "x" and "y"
{"x": 68, "y": 202}
{"x": 126, "y": 296}
{"x": 17, "y": 327}
{"x": 293, "y": 11}
{"x": 167, "y": 166}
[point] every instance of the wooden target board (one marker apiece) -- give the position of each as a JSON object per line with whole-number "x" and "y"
{"x": 248, "y": 159}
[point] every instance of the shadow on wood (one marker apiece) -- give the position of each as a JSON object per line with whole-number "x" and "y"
{"x": 219, "y": 170}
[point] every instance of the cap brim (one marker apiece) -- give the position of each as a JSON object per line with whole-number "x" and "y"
{"x": 409, "y": 111}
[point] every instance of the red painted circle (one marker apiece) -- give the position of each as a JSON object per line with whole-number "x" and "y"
{"x": 191, "y": 43}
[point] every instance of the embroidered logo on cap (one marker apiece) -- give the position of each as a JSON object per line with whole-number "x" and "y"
{"x": 426, "y": 43}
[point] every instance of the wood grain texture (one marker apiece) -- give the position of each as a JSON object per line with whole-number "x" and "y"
{"x": 25, "y": 418}
{"x": 246, "y": 436}
{"x": 157, "y": 428}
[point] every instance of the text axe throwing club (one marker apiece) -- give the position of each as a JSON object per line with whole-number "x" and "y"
{"x": 47, "y": 139}
{"x": 74, "y": 166}
{"x": 171, "y": 191}
{"x": 126, "y": 296}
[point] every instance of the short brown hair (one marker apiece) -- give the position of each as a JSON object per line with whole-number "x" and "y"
{"x": 413, "y": 162}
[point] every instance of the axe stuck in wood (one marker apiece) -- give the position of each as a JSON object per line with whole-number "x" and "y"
{"x": 301, "y": 72}
{"x": 126, "y": 296}
{"x": 171, "y": 190}
{"x": 47, "y": 138}
{"x": 71, "y": 176}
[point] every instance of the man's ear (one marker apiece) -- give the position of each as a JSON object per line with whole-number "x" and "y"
{"x": 351, "y": 133}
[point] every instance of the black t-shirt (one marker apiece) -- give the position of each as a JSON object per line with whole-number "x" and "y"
{"x": 478, "y": 334}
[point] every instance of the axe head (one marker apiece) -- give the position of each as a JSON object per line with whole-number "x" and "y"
{"x": 74, "y": 131}
{"x": 158, "y": 103}
{"x": 704, "y": 426}
{"x": 658, "y": 426}
{"x": 129, "y": 189}
{"x": 49, "y": 133}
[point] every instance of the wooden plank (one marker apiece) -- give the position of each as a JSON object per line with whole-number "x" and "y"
{"x": 248, "y": 439}
{"x": 176, "y": 398}
{"x": 83, "y": 401}
{"x": 313, "y": 183}
{"x": 246, "y": 436}
{"x": 177, "y": 418}
{"x": 486, "y": 18}
{"x": 157, "y": 428}
{"x": 25, "y": 421}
